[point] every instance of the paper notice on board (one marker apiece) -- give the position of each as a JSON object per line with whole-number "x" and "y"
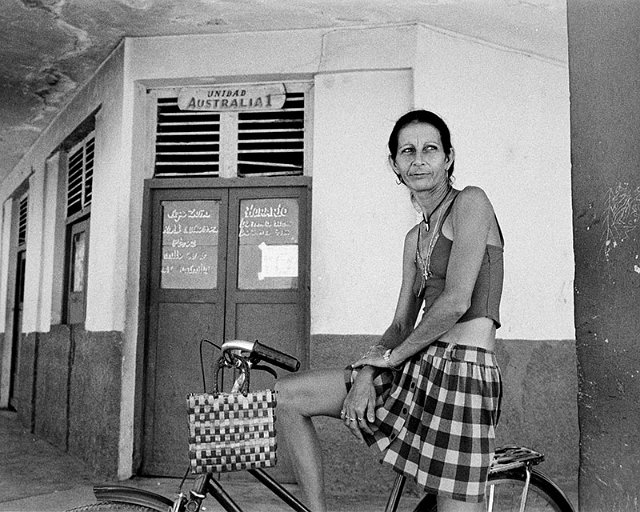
{"x": 278, "y": 261}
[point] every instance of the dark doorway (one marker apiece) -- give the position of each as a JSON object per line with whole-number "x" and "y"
{"x": 21, "y": 263}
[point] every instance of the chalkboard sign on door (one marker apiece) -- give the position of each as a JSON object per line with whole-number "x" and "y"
{"x": 190, "y": 244}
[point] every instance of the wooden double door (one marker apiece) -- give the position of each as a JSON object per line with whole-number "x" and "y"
{"x": 224, "y": 262}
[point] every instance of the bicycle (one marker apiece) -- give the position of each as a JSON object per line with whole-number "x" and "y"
{"x": 513, "y": 483}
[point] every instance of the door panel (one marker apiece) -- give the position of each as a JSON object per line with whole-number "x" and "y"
{"x": 271, "y": 324}
{"x": 180, "y": 346}
{"x": 268, "y": 255}
{"x": 186, "y": 304}
{"x": 267, "y": 278}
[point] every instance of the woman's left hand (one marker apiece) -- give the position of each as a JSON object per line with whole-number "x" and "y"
{"x": 373, "y": 357}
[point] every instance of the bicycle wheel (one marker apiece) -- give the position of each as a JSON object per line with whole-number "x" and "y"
{"x": 111, "y": 506}
{"x": 543, "y": 495}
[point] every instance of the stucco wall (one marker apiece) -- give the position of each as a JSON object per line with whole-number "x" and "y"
{"x": 605, "y": 108}
{"x": 94, "y": 400}
{"x": 51, "y": 401}
{"x": 69, "y": 390}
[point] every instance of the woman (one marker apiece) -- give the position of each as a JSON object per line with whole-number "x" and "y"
{"x": 427, "y": 395}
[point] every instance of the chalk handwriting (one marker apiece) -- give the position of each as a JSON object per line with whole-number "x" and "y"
{"x": 621, "y": 215}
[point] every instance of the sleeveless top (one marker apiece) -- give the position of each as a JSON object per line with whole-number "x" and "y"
{"x": 485, "y": 300}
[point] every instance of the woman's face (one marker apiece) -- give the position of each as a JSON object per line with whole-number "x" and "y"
{"x": 421, "y": 160}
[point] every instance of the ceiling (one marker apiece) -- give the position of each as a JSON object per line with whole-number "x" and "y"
{"x": 50, "y": 48}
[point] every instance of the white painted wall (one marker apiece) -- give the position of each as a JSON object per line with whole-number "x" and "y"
{"x": 509, "y": 117}
{"x": 33, "y": 266}
{"x": 514, "y": 104}
{"x": 360, "y": 214}
{"x": 109, "y": 235}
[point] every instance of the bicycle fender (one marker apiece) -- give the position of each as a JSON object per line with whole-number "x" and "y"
{"x": 132, "y": 496}
{"x": 560, "y": 494}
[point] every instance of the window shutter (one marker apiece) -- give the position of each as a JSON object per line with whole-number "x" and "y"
{"x": 271, "y": 143}
{"x": 187, "y": 143}
{"x": 80, "y": 176}
{"x": 22, "y": 220}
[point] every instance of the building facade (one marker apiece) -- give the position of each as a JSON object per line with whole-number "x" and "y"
{"x": 237, "y": 186}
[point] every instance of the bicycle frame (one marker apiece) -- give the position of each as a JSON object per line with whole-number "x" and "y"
{"x": 216, "y": 490}
{"x": 203, "y": 485}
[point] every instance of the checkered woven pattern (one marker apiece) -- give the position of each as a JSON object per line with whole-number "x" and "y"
{"x": 231, "y": 432}
{"x": 438, "y": 417}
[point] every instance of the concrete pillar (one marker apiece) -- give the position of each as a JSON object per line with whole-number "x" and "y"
{"x": 604, "y": 71}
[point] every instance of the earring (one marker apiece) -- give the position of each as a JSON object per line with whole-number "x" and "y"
{"x": 399, "y": 180}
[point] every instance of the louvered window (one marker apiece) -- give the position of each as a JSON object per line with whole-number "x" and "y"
{"x": 187, "y": 143}
{"x": 22, "y": 220}
{"x": 242, "y": 143}
{"x": 272, "y": 143}
{"x": 80, "y": 175}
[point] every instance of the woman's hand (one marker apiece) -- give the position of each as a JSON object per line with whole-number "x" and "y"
{"x": 374, "y": 357}
{"x": 358, "y": 409}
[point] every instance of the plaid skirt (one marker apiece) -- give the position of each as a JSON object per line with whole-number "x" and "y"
{"x": 435, "y": 419}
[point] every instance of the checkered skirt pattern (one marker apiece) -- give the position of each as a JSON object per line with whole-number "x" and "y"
{"x": 437, "y": 419}
{"x": 231, "y": 432}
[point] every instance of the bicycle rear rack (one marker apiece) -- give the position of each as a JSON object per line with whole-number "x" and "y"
{"x": 512, "y": 457}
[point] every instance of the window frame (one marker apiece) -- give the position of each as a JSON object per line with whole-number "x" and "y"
{"x": 85, "y": 208}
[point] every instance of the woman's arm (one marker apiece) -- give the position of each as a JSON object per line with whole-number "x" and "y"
{"x": 472, "y": 216}
{"x": 408, "y": 306}
{"x": 360, "y": 401}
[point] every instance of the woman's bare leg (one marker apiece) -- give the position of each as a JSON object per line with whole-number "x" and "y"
{"x": 300, "y": 397}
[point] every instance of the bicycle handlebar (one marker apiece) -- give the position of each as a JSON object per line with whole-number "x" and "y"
{"x": 257, "y": 350}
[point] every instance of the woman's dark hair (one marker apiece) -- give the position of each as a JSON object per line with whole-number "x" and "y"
{"x": 421, "y": 116}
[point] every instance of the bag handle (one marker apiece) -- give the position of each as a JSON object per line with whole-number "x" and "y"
{"x": 235, "y": 362}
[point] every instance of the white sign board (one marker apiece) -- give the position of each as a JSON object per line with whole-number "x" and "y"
{"x": 278, "y": 261}
{"x": 233, "y": 98}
